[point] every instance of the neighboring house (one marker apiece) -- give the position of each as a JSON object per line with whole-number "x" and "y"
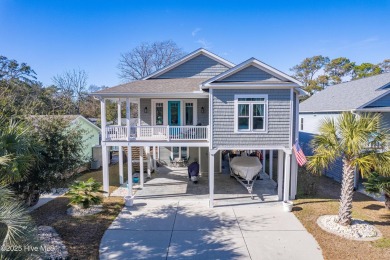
{"x": 370, "y": 94}
{"x": 203, "y": 104}
{"x": 90, "y": 132}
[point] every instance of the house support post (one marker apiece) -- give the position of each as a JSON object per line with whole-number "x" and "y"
{"x": 294, "y": 176}
{"x": 120, "y": 164}
{"x": 263, "y": 161}
{"x": 129, "y": 171}
{"x": 154, "y": 159}
{"x": 211, "y": 177}
{"x": 141, "y": 166}
{"x": 287, "y": 175}
{"x": 148, "y": 162}
{"x": 271, "y": 158}
{"x": 280, "y": 174}
{"x": 106, "y": 180}
{"x": 103, "y": 118}
{"x": 199, "y": 161}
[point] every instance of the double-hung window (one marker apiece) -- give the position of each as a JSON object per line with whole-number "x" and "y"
{"x": 250, "y": 113}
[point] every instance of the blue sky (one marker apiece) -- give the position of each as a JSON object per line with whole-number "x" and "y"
{"x": 54, "y": 36}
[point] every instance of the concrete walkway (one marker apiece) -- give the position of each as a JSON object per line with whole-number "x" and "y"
{"x": 188, "y": 229}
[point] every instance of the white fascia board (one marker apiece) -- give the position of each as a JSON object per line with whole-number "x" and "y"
{"x": 373, "y": 100}
{"x": 324, "y": 111}
{"x": 254, "y": 86}
{"x": 155, "y": 143}
{"x": 247, "y": 63}
{"x": 187, "y": 58}
{"x": 374, "y": 109}
{"x": 194, "y": 94}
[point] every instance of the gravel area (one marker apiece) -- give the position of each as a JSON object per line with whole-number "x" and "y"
{"x": 80, "y": 212}
{"x": 52, "y": 245}
{"x": 358, "y": 230}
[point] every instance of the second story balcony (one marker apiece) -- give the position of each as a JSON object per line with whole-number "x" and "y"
{"x": 157, "y": 133}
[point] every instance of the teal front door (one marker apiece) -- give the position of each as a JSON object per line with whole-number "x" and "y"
{"x": 174, "y": 113}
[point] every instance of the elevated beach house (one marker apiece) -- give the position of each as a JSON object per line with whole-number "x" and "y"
{"x": 201, "y": 105}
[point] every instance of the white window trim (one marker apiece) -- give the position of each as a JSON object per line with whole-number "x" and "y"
{"x": 182, "y": 110}
{"x": 251, "y": 131}
{"x": 188, "y": 151}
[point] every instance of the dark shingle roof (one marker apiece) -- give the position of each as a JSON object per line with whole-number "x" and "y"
{"x": 347, "y": 96}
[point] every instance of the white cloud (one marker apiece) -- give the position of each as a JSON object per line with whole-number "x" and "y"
{"x": 194, "y": 32}
{"x": 204, "y": 43}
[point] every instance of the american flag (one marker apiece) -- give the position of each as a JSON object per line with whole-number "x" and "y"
{"x": 301, "y": 158}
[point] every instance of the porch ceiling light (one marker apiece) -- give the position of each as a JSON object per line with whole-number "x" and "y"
{"x": 146, "y": 110}
{"x": 202, "y": 110}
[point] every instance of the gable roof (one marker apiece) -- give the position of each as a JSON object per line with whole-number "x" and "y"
{"x": 188, "y": 57}
{"x": 276, "y": 75}
{"x": 356, "y": 94}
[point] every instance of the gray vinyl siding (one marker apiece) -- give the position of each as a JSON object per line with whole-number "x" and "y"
{"x": 382, "y": 102}
{"x": 146, "y": 118}
{"x": 250, "y": 74}
{"x": 386, "y": 120}
{"x": 203, "y": 118}
{"x": 198, "y": 67}
{"x": 279, "y": 121}
{"x": 295, "y": 105}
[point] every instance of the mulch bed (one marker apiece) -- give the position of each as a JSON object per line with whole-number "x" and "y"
{"x": 81, "y": 235}
{"x": 326, "y": 202}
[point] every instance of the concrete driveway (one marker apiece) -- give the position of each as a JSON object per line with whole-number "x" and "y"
{"x": 185, "y": 229}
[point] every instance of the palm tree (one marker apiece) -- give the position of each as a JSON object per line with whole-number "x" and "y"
{"x": 360, "y": 141}
{"x": 16, "y": 228}
{"x": 377, "y": 184}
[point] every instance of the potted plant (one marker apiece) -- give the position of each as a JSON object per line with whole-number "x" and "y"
{"x": 288, "y": 205}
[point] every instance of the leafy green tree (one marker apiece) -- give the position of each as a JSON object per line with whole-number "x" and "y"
{"x": 377, "y": 184}
{"x": 307, "y": 69}
{"x": 339, "y": 68}
{"x": 365, "y": 70}
{"x": 11, "y": 70}
{"x": 385, "y": 66}
{"x": 354, "y": 138}
{"x": 61, "y": 154}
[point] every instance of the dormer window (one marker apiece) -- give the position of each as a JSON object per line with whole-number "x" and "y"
{"x": 250, "y": 113}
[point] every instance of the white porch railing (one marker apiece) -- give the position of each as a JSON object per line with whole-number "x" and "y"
{"x": 168, "y": 133}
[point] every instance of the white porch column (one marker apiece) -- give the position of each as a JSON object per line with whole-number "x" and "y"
{"x": 141, "y": 166}
{"x": 294, "y": 176}
{"x": 211, "y": 178}
{"x": 119, "y": 112}
{"x": 129, "y": 171}
{"x": 287, "y": 175}
{"x": 154, "y": 159}
{"x": 148, "y": 162}
{"x": 128, "y": 116}
{"x": 263, "y": 162}
{"x": 199, "y": 160}
{"x": 271, "y": 158}
{"x": 106, "y": 179}
{"x": 120, "y": 164}
{"x": 280, "y": 174}
{"x": 103, "y": 118}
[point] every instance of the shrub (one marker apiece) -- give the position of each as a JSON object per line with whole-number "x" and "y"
{"x": 85, "y": 193}
{"x": 307, "y": 183}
